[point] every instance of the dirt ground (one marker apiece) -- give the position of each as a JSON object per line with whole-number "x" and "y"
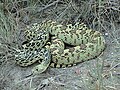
{"x": 101, "y": 73}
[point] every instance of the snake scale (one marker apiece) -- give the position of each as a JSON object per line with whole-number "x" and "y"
{"x": 86, "y": 44}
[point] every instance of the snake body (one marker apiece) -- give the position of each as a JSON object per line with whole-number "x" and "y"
{"x": 33, "y": 48}
{"x": 87, "y": 44}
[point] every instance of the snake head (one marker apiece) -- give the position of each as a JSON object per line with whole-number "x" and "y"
{"x": 40, "y": 68}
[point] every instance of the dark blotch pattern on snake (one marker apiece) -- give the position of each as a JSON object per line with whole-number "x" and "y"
{"x": 87, "y": 44}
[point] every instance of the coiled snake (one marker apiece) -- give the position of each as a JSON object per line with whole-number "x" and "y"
{"x": 87, "y": 44}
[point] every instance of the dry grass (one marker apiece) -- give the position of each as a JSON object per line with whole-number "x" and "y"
{"x": 102, "y": 73}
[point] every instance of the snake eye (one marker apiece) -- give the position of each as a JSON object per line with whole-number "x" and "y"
{"x": 36, "y": 69}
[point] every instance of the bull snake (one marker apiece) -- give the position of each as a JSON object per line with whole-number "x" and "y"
{"x": 87, "y": 44}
